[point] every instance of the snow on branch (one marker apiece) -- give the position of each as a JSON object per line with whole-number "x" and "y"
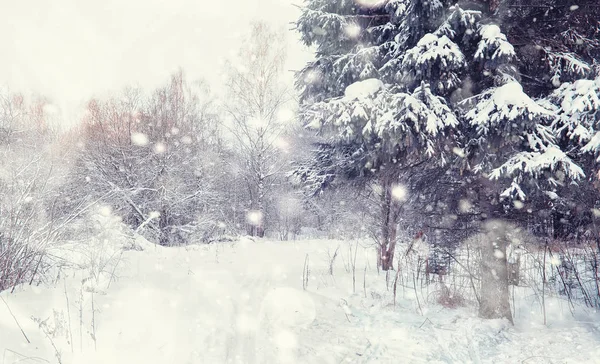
{"x": 566, "y": 64}
{"x": 460, "y": 23}
{"x": 494, "y": 46}
{"x": 435, "y": 58}
{"x": 382, "y": 118}
{"x": 534, "y": 163}
{"x": 363, "y": 89}
{"x": 502, "y": 105}
{"x": 577, "y": 110}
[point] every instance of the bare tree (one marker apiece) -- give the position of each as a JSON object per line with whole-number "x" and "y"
{"x": 255, "y": 97}
{"x": 28, "y": 178}
{"x": 151, "y": 159}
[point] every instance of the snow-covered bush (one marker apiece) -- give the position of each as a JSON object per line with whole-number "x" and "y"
{"x": 28, "y": 183}
{"x": 102, "y": 237}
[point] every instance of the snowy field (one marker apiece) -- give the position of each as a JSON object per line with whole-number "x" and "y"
{"x": 245, "y": 302}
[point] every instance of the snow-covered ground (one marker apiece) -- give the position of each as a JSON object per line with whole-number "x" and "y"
{"x": 244, "y": 302}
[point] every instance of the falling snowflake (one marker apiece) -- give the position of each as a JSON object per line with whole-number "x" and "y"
{"x": 160, "y": 148}
{"x": 353, "y": 30}
{"x": 371, "y": 3}
{"x": 139, "y": 139}
{"x": 254, "y": 217}
{"x": 399, "y": 193}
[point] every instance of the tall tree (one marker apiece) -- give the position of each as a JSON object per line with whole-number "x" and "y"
{"x": 507, "y": 150}
{"x": 371, "y": 131}
{"x": 255, "y": 102}
{"x": 29, "y": 179}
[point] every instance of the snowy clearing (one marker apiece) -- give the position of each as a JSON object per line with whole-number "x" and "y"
{"x": 422, "y": 187}
{"x": 244, "y": 302}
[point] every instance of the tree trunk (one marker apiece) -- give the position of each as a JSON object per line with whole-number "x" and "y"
{"x": 389, "y": 226}
{"x": 163, "y": 234}
{"x": 495, "y": 298}
{"x": 387, "y": 256}
{"x": 260, "y": 228}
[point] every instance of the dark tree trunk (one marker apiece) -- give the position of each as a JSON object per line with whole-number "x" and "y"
{"x": 163, "y": 222}
{"x": 389, "y": 226}
{"x": 389, "y": 249}
{"x": 260, "y": 231}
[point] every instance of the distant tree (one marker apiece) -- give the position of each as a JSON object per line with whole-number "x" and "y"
{"x": 29, "y": 180}
{"x": 255, "y": 104}
{"x": 149, "y": 158}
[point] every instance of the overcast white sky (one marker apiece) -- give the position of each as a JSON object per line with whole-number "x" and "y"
{"x": 70, "y": 50}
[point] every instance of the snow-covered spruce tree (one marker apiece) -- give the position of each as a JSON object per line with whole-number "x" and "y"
{"x": 508, "y": 152}
{"x": 378, "y": 135}
{"x": 560, "y": 44}
{"x": 355, "y": 41}
{"x": 509, "y": 156}
{"x": 374, "y": 129}
{"x": 413, "y": 47}
{"x": 576, "y": 107}
{"x": 513, "y": 161}
{"x": 556, "y": 41}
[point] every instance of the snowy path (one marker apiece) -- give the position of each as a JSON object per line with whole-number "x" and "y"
{"x": 244, "y": 303}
